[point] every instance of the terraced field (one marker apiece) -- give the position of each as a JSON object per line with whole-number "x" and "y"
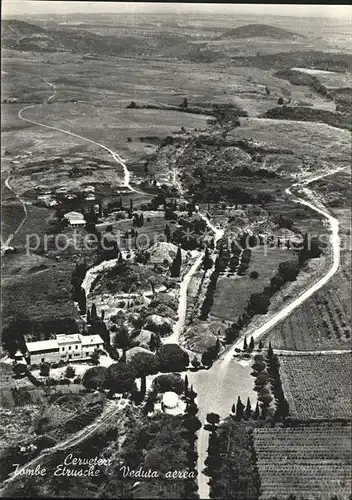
{"x": 311, "y": 461}
{"x": 322, "y": 322}
{"x": 317, "y": 386}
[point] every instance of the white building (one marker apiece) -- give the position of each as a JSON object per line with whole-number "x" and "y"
{"x": 75, "y": 219}
{"x": 63, "y": 348}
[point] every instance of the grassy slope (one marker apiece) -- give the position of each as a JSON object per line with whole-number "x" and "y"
{"x": 232, "y": 294}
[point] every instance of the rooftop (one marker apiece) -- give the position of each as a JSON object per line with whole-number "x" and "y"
{"x": 77, "y": 338}
{"x": 42, "y": 345}
{"x": 74, "y": 216}
{"x": 91, "y": 339}
{"x": 68, "y": 339}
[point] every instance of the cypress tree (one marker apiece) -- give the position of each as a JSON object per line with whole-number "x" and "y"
{"x": 248, "y": 410}
{"x": 176, "y": 265}
{"x": 82, "y": 301}
{"x": 167, "y": 232}
{"x": 131, "y": 204}
{"x": 239, "y": 409}
{"x": 260, "y": 346}
{"x": 270, "y": 351}
{"x": 93, "y": 311}
{"x": 207, "y": 260}
{"x": 217, "y": 346}
{"x": 186, "y": 384}
{"x": 251, "y": 344}
{"x": 245, "y": 345}
{"x": 256, "y": 411}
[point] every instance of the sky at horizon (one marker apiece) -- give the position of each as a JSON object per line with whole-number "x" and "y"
{"x": 29, "y": 7}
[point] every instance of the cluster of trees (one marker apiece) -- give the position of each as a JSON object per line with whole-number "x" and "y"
{"x": 311, "y": 249}
{"x": 120, "y": 377}
{"x": 265, "y": 369}
{"x": 209, "y": 296}
{"x": 192, "y": 424}
{"x": 239, "y": 411}
{"x": 13, "y": 335}
{"x": 250, "y": 347}
{"x": 96, "y": 324}
{"x": 207, "y": 262}
{"x": 210, "y": 355}
{"x": 267, "y": 381}
{"x": 273, "y": 368}
{"x": 231, "y": 462}
{"x": 259, "y": 302}
{"x": 138, "y": 220}
{"x": 208, "y": 189}
{"x": 213, "y": 462}
{"x": 222, "y": 259}
{"x": 262, "y": 383}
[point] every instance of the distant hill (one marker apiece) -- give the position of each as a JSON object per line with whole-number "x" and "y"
{"x": 19, "y": 35}
{"x": 22, "y": 36}
{"x": 260, "y": 31}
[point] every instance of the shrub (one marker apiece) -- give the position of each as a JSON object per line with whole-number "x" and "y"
{"x": 172, "y": 358}
{"x": 70, "y": 372}
{"x": 254, "y": 275}
{"x": 94, "y": 377}
{"x": 259, "y": 302}
{"x": 120, "y": 378}
{"x": 51, "y": 382}
{"x": 44, "y": 369}
{"x": 171, "y": 382}
{"x": 19, "y": 369}
{"x": 288, "y": 270}
{"x": 64, "y": 381}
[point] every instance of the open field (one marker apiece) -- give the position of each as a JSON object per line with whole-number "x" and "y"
{"x": 41, "y": 291}
{"x": 318, "y": 144}
{"x": 232, "y": 294}
{"x": 317, "y": 386}
{"x": 309, "y": 461}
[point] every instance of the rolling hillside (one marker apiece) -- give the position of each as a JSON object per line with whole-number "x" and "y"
{"x": 22, "y": 36}
{"x": 260, "y": 31}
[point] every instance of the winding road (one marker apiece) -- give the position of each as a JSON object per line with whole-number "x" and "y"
{"x": 114, "y": 154}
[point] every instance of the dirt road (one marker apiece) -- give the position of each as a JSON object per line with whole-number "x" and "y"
{"x": 114, "y": 154}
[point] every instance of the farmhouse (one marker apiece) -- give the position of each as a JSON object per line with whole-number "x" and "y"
{"x": 63, "y": 348}
{"x": 75, "y": 219}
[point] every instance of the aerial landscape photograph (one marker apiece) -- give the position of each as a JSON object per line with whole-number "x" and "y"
{"x": 175, "y": 250}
